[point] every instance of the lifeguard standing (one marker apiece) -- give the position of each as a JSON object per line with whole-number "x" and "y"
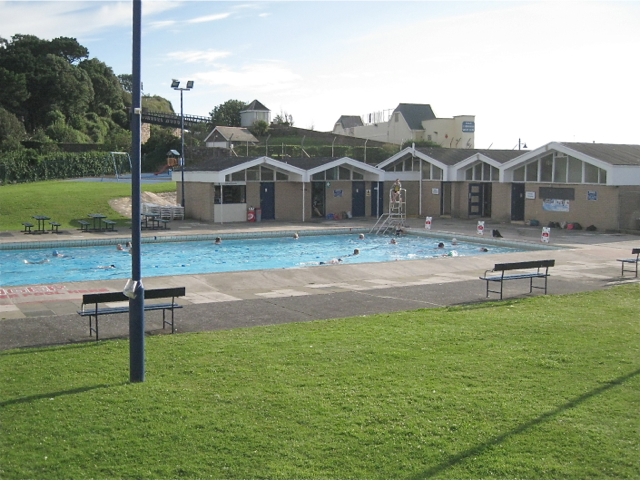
{"x": 396, "y": 190}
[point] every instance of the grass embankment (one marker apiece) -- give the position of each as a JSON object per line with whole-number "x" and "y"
{"x": 65, "y": 202}
{"x": 542, "y": 388}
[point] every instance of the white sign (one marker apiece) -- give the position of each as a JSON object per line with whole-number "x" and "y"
{"x": 427, "y": 223}
{"x": 435, "y": 191}
{"x": 530, "y": 195}
{"x": 545, "y": 234}
{"x": 480, "y": 227}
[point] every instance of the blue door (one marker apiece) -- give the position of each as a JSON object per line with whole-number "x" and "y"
{"x": 268, "y": 200}
{"x": 357, "y": 199}
{"x": 377, "y": 198}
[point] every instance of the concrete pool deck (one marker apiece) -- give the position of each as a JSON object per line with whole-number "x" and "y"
{"x": 44, "y": 315}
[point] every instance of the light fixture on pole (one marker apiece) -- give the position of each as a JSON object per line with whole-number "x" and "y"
{"x": 521, "y": 144}
{"x": 175, "y": 84}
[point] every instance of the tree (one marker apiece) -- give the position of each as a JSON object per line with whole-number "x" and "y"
{"x": 259, "y": 128}
{"x": 11, "y": 131}
{"x": 227, "y": 114}
{"x": 106, "y": 87}
{"x": 283, "y": 118}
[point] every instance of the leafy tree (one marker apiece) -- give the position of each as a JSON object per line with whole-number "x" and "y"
{"x": 14, "y": 89}
{"x": 126, "y": 82}
{"x": 11, "y": 131}
{"x": 227, "y": 114}
{"x": 106, "y": 87}
{"x": 259, "y": 128}
{"x": 283, "y": 118}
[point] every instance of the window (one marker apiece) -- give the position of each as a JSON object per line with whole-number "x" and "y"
{"x": 546, "y": 169}
{"x": 407, "y": 164}
{"x": 344, "y": 173}
{"x": 560, "y": 170}
{"x": 486, "y": 171}
{"x": 495, "y": 174}
{"x": 518, "y": 174}
{"x": 426, "y": 171}
{"x": 266, "y": 174}
{"x": 575, "y": 170}
{"x": 317, "y": 176}
{"x": 532, "y": 171}
{"x": 283, "y": 177}
{"x": 603, "y": 175}
{"x": 237, "y": 176}
{"x": 232, "y": 194}
{"x": 477, "y": 171}
{"x": 331, "y": 174}
{"x": 436, "y": 173}
{"x": 468, "y": 173}
{"x": 590, "y": 173}
{"x": 357, "y": 176}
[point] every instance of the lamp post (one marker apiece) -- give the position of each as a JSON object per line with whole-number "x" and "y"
{"x": 175, "y": 84}
{"x": 521, "y": 144}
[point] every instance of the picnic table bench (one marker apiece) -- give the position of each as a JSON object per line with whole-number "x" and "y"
{"x": 633, "y": 260}
{"x": 54, "y": 227}
{"x": 527, "y": 270}
{"x": 84, "y": 225}
{"x": 27, "y": 227}
{"x": 97, "y": 299}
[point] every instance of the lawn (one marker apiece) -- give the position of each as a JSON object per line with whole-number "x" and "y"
{"x": 65, "y": 202}
{"x": 541, "y": 388}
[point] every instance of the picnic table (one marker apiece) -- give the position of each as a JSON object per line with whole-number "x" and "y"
{"x": 97, "y": 218}
{"x": 40, "y": 219}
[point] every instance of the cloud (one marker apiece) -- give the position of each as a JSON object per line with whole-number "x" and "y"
{"x": 209, "y": 18}
{"x": 201, "y": 56}
{"x": 258, "y": 77}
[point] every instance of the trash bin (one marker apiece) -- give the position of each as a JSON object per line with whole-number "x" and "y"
{"x": 258, "y": 214}
{"x": 251, "y": 215}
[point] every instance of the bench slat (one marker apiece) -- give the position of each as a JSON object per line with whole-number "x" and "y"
{"x": 524, "y": 265}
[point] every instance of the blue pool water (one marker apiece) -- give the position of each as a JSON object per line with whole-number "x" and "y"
{"x": 184, "y": 258}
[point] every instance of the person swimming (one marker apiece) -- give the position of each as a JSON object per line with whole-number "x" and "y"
{"x": 441, "y": 245}
{"x": 296, "y": 236}
{"x": 393, "y": 241}
{"x": 57, "y": 254}
{"x": 39, "y": 262}
{"x": 361, "y": 236}
{"x": 107, "y": 267}
{"x": 218, "y": 241}
{"x": 120, "y": 248}
{"x": 356, "y": 251}
{"x": 333, "y": 261}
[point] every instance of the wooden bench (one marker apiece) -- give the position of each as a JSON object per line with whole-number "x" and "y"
{"x": 541, "y": 271}
{"x": 634, "y": 261}
{"x": 97, "y": 299}
{"x": 109, "y": 225}
{"x": 84, "y": 225}
{"x": 27, "y": 227}
{"x": 54, "y": 227}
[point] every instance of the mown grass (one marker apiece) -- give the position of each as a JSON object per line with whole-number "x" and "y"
{"x": 65, "y": 202}
{"x": 547, "y": 387}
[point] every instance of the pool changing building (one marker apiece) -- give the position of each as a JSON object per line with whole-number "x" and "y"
{"x": 585, "y": 183}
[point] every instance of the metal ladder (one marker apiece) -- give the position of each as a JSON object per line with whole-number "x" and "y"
{"x": 395, "y": 217}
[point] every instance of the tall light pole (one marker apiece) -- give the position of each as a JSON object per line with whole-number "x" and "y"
{"x": 175, "y": 84}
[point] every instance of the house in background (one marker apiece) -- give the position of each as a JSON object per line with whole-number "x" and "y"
{"x": 254, "y": 112}
{"x": 410, "y": 122}
{"x": 227, "y": 137}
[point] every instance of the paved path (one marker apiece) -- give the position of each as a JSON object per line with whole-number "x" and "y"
{"x": 42, "y": 315}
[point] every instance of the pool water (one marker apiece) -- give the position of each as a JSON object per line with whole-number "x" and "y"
{"x": 185, "y": 258}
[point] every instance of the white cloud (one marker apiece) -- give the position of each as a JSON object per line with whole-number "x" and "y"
{"x": 209, "y": 18}
{"x": 200, "y": 56}
{"x": 258, "y": 77}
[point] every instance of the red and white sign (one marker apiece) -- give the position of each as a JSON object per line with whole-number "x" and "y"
{"x": 427, "y": 223}
{"x": 545, "y": 234}
{"x": 480, "y": 227}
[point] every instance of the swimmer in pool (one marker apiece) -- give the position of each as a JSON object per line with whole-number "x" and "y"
{"x": 39, "y": 262}
{"x": 333, "y": 261}
{"x": 361, "y": 236}
{"x": 57, "y": 254}
{"x": 454, "y": 241}
{"x": 483, "y": 249}
{"x": 393, "y": 241}
{"x": 218, "y": 241}
{"x": 296, "y": 236}
{"x": 120, "y": 248}
{"x": 356, "y": 252}
{"x": 107, "y": 267}
{"x": 441, "y": 245}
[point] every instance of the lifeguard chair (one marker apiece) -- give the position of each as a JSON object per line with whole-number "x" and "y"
{"x": 396, "y": 216}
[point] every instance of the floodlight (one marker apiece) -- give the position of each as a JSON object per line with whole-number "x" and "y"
{"x": 175, "y": 83}
{"x": 189, "y": 84}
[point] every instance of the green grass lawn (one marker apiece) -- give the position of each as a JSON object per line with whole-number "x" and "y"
{"x": 542, "y": 388}
{"x": 65, "y": 202}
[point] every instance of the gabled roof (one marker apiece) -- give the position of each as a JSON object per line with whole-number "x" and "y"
{"x": 452, "y": 156}
{"x": 217, "y": 164}
{"x": 255, "y": 105}
{"x": 608, "y": 152}
{"x": 414, "y": 114}
{"x": 350, "y": 121}
{"x": 236, "y": 134}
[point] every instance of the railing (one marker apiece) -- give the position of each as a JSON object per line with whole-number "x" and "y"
{"x": 172, "y": 119}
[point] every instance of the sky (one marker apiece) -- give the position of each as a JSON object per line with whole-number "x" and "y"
{"x": 529, "y": 71}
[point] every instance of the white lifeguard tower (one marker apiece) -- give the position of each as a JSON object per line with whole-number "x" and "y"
{"x": 396, "y": 216}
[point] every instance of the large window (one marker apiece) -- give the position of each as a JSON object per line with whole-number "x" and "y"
{"x": 337, "y": 173}
{"x": 482, "y": 172}
{"x": 230, "y": 194}
{"x": 257, "y": 174}
{"x": 431, "y": 172}
{"x": 560, "y": 168}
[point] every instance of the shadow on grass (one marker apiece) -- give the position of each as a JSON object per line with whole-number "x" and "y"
{"x": 479, "y": 449}
{"x": 42, "y": 396}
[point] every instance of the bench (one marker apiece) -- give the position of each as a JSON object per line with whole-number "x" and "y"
{"x": 54, "y": 227}
{"x": 634, "y": 261}
{"x": 27, "y": 227}
{"x": 96, "y": 299}
{"x": 109, "y": 225}
{"x": 84, "y": 225}
{"x": 541, "y": 271}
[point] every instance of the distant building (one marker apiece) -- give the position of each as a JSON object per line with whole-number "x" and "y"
{"x": 254, "y": 112}
{"x": 410, "y": 122}
{"x": 226, "y": 137}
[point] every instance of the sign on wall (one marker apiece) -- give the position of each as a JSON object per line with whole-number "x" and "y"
{"x": 468, "y": 127}
{"x": 592, "y": 195}
{"x": 435, "y": 191}
{"x": 555, "y": 205}
{"x": 337, "y": 193}
{"x": 530, "y": 195}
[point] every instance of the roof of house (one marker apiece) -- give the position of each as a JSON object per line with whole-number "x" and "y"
{"x": 452, "y": 156}
{"x": 415, "y": 113}
{"x": 255, "y": 105}
{"x": 237, "y": 134}
{"x": 350, "y": 121}
{"x": 611, "y": 153}
{"x": 222, "y": 163}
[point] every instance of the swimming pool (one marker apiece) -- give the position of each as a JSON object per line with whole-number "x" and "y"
{"x": 196, "y": 257}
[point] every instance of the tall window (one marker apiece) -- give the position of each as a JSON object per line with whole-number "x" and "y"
{"x": 560, "y": 168}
